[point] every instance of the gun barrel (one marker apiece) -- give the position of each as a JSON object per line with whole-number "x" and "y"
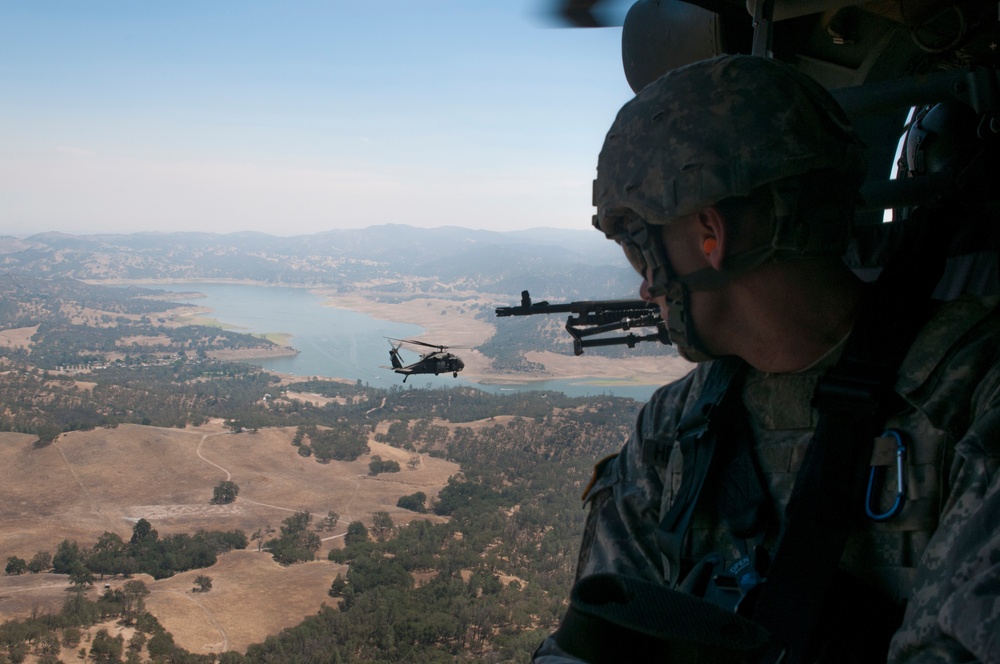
{"x": 582, "y": 307}
{"x": 591, "y": 317}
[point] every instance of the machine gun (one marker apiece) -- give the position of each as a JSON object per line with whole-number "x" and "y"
{"x": 592, "y": 317}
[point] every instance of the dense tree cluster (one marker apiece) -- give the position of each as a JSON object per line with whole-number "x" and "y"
{"x": 42, "y": 637}
{"x": 83, "y": 324}
{"x": 145, "y": 552}
{"x": 46, "y": 404}
{"x": 25, "y": 300}
{"x": 342, "y": 443}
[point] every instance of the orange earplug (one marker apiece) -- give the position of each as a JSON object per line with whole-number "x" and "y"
{"x": 709, "y": 245}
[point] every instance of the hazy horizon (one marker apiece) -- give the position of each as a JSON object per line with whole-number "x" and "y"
{"x": 539, "y": 229}
{"x": 296, "y": 117}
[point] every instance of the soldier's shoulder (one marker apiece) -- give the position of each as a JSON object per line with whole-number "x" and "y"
{"x": 669, "y": 402}
{"x": 962, "y": 335}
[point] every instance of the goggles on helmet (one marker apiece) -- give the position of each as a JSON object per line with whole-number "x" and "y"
{"x": 644, "y": 248}
{"x": 634, "y": 255}
{"x": 640, "y": 241}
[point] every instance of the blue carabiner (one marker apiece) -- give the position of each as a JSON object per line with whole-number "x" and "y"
{"x": 897, "y": 505}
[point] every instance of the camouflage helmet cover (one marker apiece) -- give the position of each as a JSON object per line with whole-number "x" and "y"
{"x": 716, "y": 129}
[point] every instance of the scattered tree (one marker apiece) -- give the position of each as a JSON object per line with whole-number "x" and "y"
{"x": 382, "y": 525}
{"x": 261, "y": 534}
{"x": 356, "y": 532}
{"x": 295, "y": 543}
{"x": 80, "y": 577}
{"x": 137, "y": 641}
{"x": 377, "y": 465}
{"x": 110, "y": 555}
{"x": 66, "y": 555}
{"x": 16, "y": 566}
{"x": 415, "y": 502}
{"x": 225, "y": 492}
{"x": 337, "y": 587}
{"x": 40, "y": 562}
{"x": 329, "y": 522}
{"x": 143, "y": 532}
{"x": 203, "y": 583}
{"x": 134, "y": 595}
{"x": 71, "y": 637}
{"x": 160, "y": 645}
{"x": 105, "y": 648}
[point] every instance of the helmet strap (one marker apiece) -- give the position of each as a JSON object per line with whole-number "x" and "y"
{"x": 665, "y": 282}
{"x": 790, "y": 239}
{"x": 708, "y": 278}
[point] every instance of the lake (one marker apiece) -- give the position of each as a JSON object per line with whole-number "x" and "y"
{"x": 340, "y": 343}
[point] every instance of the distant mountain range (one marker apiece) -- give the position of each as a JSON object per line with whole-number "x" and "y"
{"x": 394, "y": 258}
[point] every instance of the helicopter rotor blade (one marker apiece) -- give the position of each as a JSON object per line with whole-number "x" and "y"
{"x": 421, "y": 343}
{"x": 581, "y": 14}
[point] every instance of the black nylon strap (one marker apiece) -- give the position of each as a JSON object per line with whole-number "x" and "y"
{"x": 744, "y": 503}
{"x": 697, "y": 435}
{"x": 851, "y": 399}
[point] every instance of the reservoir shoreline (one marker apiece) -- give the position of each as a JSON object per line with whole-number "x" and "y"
{"x": 453, "y": 319}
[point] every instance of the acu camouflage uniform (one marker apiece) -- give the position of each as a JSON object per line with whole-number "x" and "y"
{"x": 941, "y": 553}
{"x": 724, "y": 128}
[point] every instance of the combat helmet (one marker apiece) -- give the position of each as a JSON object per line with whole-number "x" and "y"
{"x": 717, "y": 130}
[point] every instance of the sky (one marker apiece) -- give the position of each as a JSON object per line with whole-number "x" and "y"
{"x": 293, "y": 117}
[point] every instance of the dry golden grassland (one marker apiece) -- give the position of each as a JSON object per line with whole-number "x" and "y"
{"x": 18, "y": 337}
{"x": 90, "y": 482}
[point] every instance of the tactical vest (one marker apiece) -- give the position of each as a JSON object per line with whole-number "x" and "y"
{"x": 882, "y": 553}
{"x": 720, "y": 516}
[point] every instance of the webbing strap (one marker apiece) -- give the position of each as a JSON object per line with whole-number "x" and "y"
{"x": 696, "y": 435}
{"x": 851, "y": 398}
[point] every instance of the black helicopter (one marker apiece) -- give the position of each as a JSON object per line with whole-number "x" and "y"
{"x": 436, "y": 362}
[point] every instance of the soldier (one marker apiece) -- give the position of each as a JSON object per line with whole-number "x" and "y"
{"x": 730, "y": 185}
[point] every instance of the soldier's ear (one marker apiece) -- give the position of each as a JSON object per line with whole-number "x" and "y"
{"x": 713, "y": 229}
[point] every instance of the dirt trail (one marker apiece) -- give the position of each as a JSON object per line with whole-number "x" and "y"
{"x": 229, "y": 475}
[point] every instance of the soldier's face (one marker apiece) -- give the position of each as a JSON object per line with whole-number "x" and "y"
{"x": 660, "y": 301}
{"x": 682, "y": 242}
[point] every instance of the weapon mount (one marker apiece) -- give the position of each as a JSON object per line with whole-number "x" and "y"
{"x": 593, "y": 317}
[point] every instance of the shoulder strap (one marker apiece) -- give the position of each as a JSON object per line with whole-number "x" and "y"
{"x": 697, "y": 434}
{"x": 851, "y": 399}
